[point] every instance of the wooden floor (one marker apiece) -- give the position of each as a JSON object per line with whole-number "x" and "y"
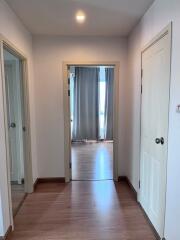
{"x": 81, "y": 210}
{"x": 92, "y": 161}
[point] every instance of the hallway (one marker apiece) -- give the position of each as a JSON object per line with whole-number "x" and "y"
{"x": 104, "y": 76}
{"x": 97, "y": 210}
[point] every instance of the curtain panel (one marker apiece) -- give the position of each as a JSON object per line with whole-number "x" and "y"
{"x": 85, "y": 117}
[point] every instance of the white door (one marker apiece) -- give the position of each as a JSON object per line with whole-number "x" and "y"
{"x": 14, "y": 120}
{"x": 154, "y": 130}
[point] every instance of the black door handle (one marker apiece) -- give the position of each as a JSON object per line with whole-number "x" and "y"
{"x": 12, "y": 125}
{"x": 159, "y": 141}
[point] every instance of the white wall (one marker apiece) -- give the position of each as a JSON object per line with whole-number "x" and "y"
{"x": 49, "y": 54}
{"x": 156, "y": 18}
{"x": 14, "y": 31}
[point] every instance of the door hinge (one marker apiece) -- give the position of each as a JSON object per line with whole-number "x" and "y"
{"x": 69, "y": 93}
{"x": 141, "y": 88}
{"x": 139, "y": 184}
{"x": 68, "y": 81}
{"x": 70, "y": 165}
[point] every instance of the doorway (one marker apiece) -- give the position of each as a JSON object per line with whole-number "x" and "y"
{"x": 156, "y": 62}
{"x": 13, "y": 75}
{"x": 86, "y": 93}
{"x": 91, "y": 106}
{"x": 17, "y": 125}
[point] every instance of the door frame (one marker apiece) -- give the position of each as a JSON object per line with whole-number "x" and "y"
{"x": 67, "y": 124}
{"x": 28, "y": 177}
{"x": 166, "y": 31}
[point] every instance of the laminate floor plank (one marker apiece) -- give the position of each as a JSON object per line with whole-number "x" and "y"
{"x": 81, "y": 210}
{"x": 92, "y": 161}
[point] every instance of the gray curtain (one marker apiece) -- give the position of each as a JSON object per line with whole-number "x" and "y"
{"x": 109, "y": 78}
{"x": 85, "y": 125}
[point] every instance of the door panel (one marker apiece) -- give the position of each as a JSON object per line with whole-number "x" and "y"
{"x": 154, "y": 126}
{"x": 14, "y": 103}
{"x": 12, "y": 119}
{"x": 144, "y": 181}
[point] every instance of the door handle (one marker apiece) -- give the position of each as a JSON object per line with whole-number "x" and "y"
{"x": 12, "y": 125}
{"x": 159, "y": 141}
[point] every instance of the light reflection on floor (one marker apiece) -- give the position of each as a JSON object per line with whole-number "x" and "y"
{"x": 103, "y": 163}
{"x": 91, "y": 210}
{"x": 103, "y": 193}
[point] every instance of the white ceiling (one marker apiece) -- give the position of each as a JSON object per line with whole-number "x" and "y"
{"x": 57, "y": 17}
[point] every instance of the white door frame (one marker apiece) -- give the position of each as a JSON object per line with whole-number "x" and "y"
{"x": 67, "y": 124}
{"x": 27, "y": 137}
{"x": 166, "y": 31}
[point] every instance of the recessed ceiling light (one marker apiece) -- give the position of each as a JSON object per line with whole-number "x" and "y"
{"x": 80, "y": 17}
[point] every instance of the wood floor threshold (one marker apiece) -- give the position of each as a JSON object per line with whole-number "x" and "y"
{"x": 90, "y": 180}
{"x": 7, "y": 233}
